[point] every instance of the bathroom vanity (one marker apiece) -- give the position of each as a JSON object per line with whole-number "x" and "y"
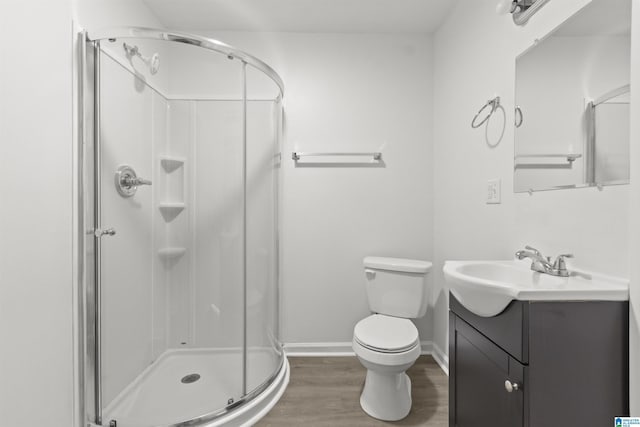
{"x": 539, "y": 364}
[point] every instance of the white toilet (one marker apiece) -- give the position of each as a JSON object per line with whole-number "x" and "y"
{"x": 387, "y": 342}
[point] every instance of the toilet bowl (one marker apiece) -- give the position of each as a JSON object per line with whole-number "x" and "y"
{"x": 386, "y": 346}
{"x": 387, "y": 342}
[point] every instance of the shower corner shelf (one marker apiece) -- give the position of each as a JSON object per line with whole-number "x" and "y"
{"x": 171, "y": 253}
{"x": 170, "y": 210}
{"x": 171, "y": 207}
{"x": 171, "y": 163}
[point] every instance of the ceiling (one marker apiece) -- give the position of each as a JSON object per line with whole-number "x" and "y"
{"x": 326, "y": 16}
{"x": 599, "y": 18}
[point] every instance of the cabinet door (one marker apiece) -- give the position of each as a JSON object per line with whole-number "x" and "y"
{"x": 478, "y": 396}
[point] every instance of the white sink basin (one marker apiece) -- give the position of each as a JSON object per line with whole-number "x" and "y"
{"x": 487, "y": 287}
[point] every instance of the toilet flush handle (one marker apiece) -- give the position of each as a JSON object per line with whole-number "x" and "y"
{"x": 369, "y": 272}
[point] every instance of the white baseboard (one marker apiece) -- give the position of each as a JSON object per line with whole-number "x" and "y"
{"x": 440, "y": 357}
{"x": 341, "y": 349}
{"x": 319, "y": 349}
{"x": 427, "y": 347}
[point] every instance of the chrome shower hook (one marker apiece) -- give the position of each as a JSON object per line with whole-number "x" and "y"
{"x": 494, "y": 104}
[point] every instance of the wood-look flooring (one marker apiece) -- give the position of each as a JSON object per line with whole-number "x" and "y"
{"x": 325, "y": 391}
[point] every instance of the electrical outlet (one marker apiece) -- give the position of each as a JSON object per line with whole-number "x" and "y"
{"x": 493, "y": 191}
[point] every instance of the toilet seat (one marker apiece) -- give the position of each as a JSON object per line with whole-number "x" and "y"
{"x": 386, "y": 334}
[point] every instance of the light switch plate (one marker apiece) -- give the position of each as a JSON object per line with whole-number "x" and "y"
{"x": 493, "y": 191}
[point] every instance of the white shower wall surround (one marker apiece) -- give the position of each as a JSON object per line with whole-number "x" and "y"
{"x": 185, "y": 232}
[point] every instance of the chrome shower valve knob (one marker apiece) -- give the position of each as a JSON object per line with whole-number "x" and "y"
{"x": 127, "y": 181}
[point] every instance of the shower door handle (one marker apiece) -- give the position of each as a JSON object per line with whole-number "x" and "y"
{"x": 106, "y": 232}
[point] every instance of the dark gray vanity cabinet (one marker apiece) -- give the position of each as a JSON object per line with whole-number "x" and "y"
{"x": 566, "y": 364}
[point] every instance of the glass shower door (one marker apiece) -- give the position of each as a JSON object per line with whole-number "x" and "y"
{"x": 126, "y": 245}
{"x": 171, "y": 329}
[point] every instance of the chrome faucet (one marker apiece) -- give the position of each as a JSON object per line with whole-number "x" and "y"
{"x": 542, "y": 264}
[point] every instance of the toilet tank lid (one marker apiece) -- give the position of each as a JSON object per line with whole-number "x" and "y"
{"x": 397, "y": 264}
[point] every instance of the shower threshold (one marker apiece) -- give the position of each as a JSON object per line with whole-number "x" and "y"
{"x": 183, "y": 385}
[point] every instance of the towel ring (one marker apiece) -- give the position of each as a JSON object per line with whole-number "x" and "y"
{"x": 494, "y": 104}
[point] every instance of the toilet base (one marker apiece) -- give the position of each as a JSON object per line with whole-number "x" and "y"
{"x": 386, "y": 395}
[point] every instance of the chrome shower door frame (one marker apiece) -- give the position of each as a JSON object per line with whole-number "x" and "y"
{"x": 88, "y": 112}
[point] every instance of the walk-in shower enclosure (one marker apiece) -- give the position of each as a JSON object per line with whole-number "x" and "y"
{"x": 181, "y": 151}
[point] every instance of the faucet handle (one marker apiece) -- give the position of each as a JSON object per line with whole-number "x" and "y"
{"x": 534, "y": 250}
{"x": 559, "y": 263}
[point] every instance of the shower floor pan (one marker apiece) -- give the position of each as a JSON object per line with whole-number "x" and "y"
{"x": 183, "y": 385}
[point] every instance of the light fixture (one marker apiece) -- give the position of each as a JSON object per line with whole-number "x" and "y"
{"x": 521, "y": 10}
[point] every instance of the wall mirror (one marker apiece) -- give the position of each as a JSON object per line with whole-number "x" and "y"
{"x": 572, "y": 102}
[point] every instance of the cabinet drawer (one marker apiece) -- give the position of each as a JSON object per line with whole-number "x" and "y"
{"x": 508, "y": 329}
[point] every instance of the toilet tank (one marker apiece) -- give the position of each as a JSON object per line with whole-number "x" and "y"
{"x": 396, "y": 286}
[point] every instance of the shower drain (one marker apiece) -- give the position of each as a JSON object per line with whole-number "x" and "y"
{"x": 191, "y": 378}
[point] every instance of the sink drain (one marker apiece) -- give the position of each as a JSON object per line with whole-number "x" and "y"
{"x": 191, "y": 378}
